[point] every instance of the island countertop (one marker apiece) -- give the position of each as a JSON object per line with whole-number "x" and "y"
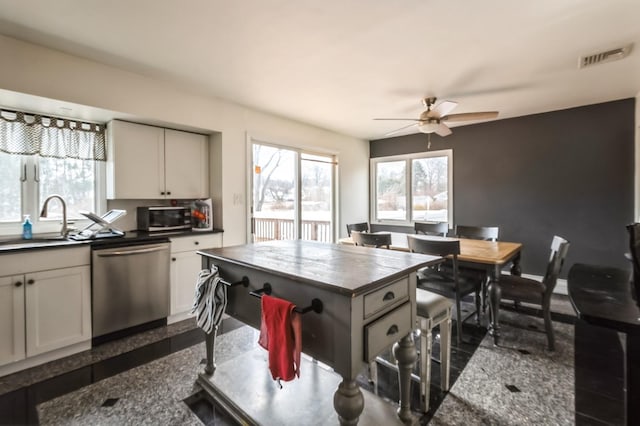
{"x": 333, "y": 267}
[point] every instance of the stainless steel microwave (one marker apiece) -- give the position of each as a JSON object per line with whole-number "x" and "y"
{"x": 160, "y": 218}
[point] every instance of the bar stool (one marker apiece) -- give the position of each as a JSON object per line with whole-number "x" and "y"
{"x": 432, "y": 310}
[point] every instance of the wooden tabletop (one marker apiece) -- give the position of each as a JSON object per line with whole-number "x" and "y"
{"x": 475, "y": 251}
{"x": 337, "y": 268}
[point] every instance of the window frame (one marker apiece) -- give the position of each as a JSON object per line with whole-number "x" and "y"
{"x": 30, "y": 191}
{"x": 407, "y": 158}
{"x": 299, "y": 152}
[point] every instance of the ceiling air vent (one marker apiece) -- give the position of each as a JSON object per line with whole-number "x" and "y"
{"x": 602, "y": 57}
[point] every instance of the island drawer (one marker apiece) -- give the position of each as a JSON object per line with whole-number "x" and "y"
{"x": 386, "y": 297}
{"x": 383, "y": 332}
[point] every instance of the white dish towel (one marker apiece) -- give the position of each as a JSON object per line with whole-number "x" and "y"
{"x": 210, "y": 299}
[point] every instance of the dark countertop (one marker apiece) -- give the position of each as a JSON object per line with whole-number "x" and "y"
{"x": 14, "y": 244}
{"x": 601, "y": 295}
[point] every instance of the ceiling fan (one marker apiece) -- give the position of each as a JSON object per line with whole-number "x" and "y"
{"x": 432, "y": 120}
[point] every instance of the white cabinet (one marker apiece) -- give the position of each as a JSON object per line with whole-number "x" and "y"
{"x": 185, "y": 266}
{"x": 42, "y": 311}
{"x": 12, "y": 341}
{"x": 147, "y": 162}
{"x": 58, "y": 312}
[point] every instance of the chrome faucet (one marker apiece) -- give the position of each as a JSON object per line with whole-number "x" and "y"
{"x": 64, "y": 231}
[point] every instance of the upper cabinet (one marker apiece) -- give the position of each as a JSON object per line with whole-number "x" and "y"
{"x": 147, "y": 162}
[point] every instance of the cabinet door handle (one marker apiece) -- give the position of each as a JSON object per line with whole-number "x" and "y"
{"x": 168, "y": 192}
{"x": 196, "y": 242}
{"x": 18, "y": 283}
{"x": 161, "y": 192}
{"x": 392, "y": 330}
{"x": 389, "y": 296}
{"x": 173, "y": 259}
{"x": 31, "y": 281}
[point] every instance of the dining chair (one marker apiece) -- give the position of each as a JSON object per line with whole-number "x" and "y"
{"x": 362, "y": 226}
{"x": 487, "y": 233}
{"x": 431, "y": 228}
{"x": 520, "y": 289}
{"x": 367, "y": 239}
{"x": 447, "y": 281}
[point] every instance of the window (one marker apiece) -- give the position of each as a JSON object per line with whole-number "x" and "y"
{"x": 293, "y": 193}
{"x": 40, "y": 157}
{"x": 409, "y": 188}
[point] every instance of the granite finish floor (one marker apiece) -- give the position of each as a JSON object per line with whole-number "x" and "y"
{"x": 517, "y": 382}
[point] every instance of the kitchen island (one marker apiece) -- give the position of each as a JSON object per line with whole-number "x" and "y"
{"x": 368, "y": 303}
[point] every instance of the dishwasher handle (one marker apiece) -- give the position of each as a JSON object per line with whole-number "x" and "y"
{"x": 131, "y": 252}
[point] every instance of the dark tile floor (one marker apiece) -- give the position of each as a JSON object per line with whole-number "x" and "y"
{"x": 18, "y": 406}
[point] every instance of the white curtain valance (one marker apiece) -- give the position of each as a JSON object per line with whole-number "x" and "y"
{"x": 29, "y": 134}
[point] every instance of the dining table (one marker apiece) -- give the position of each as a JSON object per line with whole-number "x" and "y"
{"x": 490, "y": 257}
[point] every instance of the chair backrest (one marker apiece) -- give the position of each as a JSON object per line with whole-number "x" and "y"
{"x": 433, "y": 247}
{"x": 487, "y": 233}
{"x": 431, "y": 228}
{"x": 437, "y": 248}
{"x": 362, "y": 226}
{"x": 559, "y": 249}
{"x": 367, "y": 239}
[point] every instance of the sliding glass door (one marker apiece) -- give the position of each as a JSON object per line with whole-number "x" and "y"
{"x": 293, "y": 193}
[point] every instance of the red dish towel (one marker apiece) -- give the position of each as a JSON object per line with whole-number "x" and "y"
{"x": 281, "y": 335}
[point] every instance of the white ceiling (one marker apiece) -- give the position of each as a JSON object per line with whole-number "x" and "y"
{"x": 338, "y": 64}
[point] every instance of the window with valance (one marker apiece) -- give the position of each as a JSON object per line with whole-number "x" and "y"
{"x": 40, "y": 156}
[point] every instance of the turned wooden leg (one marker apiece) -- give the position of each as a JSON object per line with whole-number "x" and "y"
{"x": 406, "y": 356}
{"x": 210, "y": 345}
{"x": 494, "y": 305}
{"x": 348, "y": 402}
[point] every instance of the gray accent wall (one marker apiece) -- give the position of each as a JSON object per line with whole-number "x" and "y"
{"x": 567, "y": 173}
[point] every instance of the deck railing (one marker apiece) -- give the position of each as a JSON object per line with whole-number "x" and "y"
{"x": 266, "y": 229}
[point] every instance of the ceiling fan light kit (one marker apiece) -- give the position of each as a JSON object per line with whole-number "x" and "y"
{"x": 428, "y": 126}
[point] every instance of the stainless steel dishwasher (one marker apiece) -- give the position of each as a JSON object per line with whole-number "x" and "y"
{"x": 130, "y": 285}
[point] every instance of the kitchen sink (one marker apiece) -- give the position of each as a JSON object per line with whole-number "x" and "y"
{"x": 39, "y": 241}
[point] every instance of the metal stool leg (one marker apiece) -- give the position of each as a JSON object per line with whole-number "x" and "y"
{"x": 445, "y": 352}
{"x": 425, "y": 361}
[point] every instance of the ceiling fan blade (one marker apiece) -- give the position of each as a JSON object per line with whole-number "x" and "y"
{"x": 443, "y": 130}
{"x": 468, "y": 116}
{"x": 442, "y": 109}
{"x": 403, "y": 119}
{"x": 393, "y": 132}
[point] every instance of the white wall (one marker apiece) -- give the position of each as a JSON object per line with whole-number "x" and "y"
{"x": 34, "y": 70}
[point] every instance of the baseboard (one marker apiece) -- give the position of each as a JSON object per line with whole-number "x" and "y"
{"x": 179, "y": 317}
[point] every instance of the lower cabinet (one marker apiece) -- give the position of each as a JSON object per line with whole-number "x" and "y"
{"x": 185, "y": 266}
{"x": 42, "y": 311}
{"x": 12, "y": 332}
{"x": 57, "y": 308}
